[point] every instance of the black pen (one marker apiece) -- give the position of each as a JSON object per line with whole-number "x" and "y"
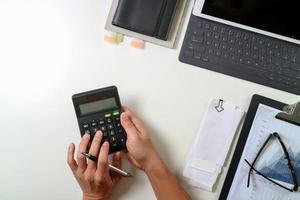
{"x": 111, "y": 167}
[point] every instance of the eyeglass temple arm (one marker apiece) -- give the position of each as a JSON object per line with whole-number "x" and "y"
{"x": 257, "y": 155}
{"x": 293, "y": 171}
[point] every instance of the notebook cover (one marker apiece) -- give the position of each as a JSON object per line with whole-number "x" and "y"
{"x": 166, "y": 20}
{"x": 149, "y": 17}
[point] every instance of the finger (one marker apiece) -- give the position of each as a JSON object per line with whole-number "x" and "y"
{"x": 94, "y": 150}
{"x": 135, "y": 120}
{"x": 128, "y": 126}
{"x": 102, "y": 166}
{"x": 71, "y": 161}
{"x": 82, "y": 148}
{"x": 117, "y": 162}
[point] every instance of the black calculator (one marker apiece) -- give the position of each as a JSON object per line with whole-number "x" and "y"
{"x": 100, "y": 110}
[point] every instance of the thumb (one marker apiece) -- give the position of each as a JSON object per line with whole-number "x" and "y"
{"x": 128, "y": 125}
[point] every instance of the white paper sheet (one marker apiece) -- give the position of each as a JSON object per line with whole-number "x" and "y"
{"x": 212, "y": 144}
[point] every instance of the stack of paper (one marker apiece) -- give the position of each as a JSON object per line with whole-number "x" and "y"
{"x": 208, "y": 154}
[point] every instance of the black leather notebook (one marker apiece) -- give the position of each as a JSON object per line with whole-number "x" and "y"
{"x": 149, "y": 17}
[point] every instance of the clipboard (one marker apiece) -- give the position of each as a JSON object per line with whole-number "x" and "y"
{"x": 255, "y": 102}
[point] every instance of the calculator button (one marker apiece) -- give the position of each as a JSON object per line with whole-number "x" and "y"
{"x": 120, "y": 131}
{"x": 87, "y": 132}
{"x": 109, "y": 120}
{"x": 95, "y": 130}
{"x": 94, "y": 124}
{"x": 107, "y": 115}
{"x": 111, "y": 126}
{"x": 113, "y": 139}
{"x": 116, "y": 113}
{"x": 122, "y": 139}
{"x": 118, "y": 125}
{"x": 112, "y": 133}
{"x": 103, "y": 128}
{"x": 101, "y": 122}
{"x": 114, "y": 145}
{"x": 85, "y": 125}
{"x": 117, "y": 118}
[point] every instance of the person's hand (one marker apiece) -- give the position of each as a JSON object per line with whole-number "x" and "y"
{"x": 141, "y": 152}
{"x": 94, "y": 178}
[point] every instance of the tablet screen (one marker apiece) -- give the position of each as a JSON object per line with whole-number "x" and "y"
{"x": 276, "y": 16}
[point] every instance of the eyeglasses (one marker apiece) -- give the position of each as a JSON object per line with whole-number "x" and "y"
{"x": 291, "y": 167}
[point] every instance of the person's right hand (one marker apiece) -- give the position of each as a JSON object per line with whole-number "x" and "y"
{"x": 141, "y": 152}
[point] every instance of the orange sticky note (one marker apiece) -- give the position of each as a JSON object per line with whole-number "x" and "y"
{"x": 139, "y": 44}
{"x": 110, "y": 39}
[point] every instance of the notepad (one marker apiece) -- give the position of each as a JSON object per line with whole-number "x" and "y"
{"x": 152, "y": 18}
{"x": 207, "y": 156}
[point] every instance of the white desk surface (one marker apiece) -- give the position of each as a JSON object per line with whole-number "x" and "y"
{"x": 51, "y": 49}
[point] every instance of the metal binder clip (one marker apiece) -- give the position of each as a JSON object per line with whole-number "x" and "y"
{"x": 291, "y": 114}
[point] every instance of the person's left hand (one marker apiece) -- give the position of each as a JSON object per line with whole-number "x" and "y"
{"x": 95, "y": 179}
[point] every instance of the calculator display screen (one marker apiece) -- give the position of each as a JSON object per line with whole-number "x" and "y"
{"x": 97, "y": 106}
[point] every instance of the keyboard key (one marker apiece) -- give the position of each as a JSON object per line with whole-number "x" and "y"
{"x": 197, "y": 55}
{"x": 206, "y": 26}
{"x": 216, "y": 36}
{"x": 216, "y": 44}
{"x": 208, "y": 42}
{"x": 226, "y": 55}
{"x": 205, "y": 58}
{"x": 210, "y": 51}
{"x": 222, "y": 30}
{"x": 218, "y": 53}
{"x": 245, "y": 37}
{"x": 189, "y": 53}
{"x": 213, "y": 59}
{"x": 224, "y": 39}
{"x": 198, "y": 23}
{"x": 196, "y": 38}
{"x": 223, "y": 46}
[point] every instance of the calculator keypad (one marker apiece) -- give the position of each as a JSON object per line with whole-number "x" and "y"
{"x": 111, "y": 128}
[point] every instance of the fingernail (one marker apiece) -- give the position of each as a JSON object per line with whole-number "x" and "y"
{"x": 86, "y": 136}
{"x": 106, "y": 143}
{"x": 98, "y": 133}
{"x": 124, "y": 117}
